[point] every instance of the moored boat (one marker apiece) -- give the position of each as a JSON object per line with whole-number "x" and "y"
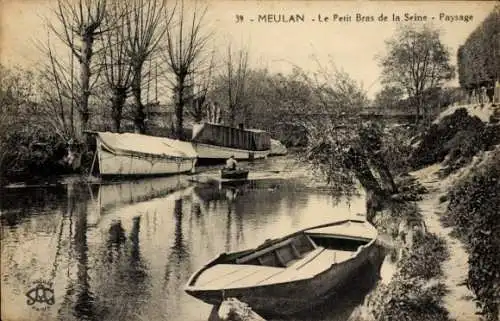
{"x": 226, "y": 173}
{"x": 217, "y": 142}
{"x": 131, "y": 154}
{"x": 290, "y": 274}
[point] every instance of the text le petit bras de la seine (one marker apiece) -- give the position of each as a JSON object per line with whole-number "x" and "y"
{"x": 351, "y": 17}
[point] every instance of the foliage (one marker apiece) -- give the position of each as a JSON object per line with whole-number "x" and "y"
{"x": 409, "y": 300}
{"x": 396, "y": 147}
{"x": 31, "y": 151}
{"x": 425, "y": 258}
{"x": 28, "y": 143}
{"x": 389, "y": 97}
{"x": 272, "y": 102}
{"x": 473, "y": 211}
{"x": 340, "y": 147}
{"x": 456, "y": 137}
{"x": 479, "y": 57}
{"x": 413, "y": 292}
{"x": 416, "y": 61}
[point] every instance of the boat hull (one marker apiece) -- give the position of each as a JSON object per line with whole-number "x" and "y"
{"x": 206, "y": 151}
{"x": 294, "y": 296}
{"x": 111, "y": 164}
{"x": 234, "y": 174}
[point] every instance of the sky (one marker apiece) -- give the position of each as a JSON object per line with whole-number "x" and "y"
{"x": 351, "y": 45}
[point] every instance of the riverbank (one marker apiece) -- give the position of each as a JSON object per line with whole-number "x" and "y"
{"x": 457, "y": 163}
{"x": 462, "y": 208}
{"x": 418, "y": 277}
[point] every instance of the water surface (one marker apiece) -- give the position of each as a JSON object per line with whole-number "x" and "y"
{"x": 124, "y": 251}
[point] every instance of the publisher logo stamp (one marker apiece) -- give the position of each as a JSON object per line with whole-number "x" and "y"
{"x": 41, "y": 295}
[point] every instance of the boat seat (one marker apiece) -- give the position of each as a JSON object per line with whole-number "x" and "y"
{"x": 307, "y": 258}
{"x": 281, "y": 254}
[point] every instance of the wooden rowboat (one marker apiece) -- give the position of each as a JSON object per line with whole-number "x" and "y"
{"x": 233, "y": 173}
{"x": 290, "y": 274}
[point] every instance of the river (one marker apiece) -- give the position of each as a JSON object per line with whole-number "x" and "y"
{"x": 124, "y": 251}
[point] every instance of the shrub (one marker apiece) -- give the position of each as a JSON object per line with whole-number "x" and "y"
{"x": 396, "y": 148}
{"x": 456, "y": 139}
{"x": 425, "y": 257}
{"x": 434, "y": 144}
{"x": 409, "y": 300}
{"x": 412, "y": 294}
{"x": 473, "y": 211}
{"x": 29, "y": 152}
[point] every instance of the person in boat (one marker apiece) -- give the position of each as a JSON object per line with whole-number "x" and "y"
{"x": 231, "y": 163}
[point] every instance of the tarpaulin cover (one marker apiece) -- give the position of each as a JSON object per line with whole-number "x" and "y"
{"x": 144, "y": 144}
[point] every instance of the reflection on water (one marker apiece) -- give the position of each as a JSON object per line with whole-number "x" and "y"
{"x": 125, "y": 251}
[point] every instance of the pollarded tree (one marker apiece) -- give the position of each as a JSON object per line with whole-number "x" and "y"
{"x": 118, "y": 70}
{"x": 416, "y": 61}
{"x": 186, "y": 41}
{"x": 80, "y": 23}
{"x": 145, "y": 24}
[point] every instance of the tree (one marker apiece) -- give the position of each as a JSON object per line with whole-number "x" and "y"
{"x": 185, "y": 43}
{"x": 118, "y": 70}
{"x": 146, "y": 22}
{"x": 478, "y": 58}
{"x": 83, "y": 18}
{"x": 235, "y": 75}
{"x": 31, "y": 137}
{"x": 341, "y": 147}
{"x": 201, "y": 106}
{"x": 416, "y": 61}
{"x": 58, "y": 99}
{"x": 389, "y": 97}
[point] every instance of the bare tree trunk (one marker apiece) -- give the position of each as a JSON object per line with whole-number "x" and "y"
{"x": 198, "y": 107}
{"x": 232, "y": 115}
{"x": 118, "y": 100}
{"x": 419, "y": 104}
{"x": 376, "y": 193}
{"x": 85, "y": 74}
{"x": 140, "y": 115}
{"x": 179, "y": 107}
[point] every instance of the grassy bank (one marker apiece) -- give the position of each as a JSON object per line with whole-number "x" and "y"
{"x": 448, "y": 270}
{"x": 472, "y": 212}
{"x": 416, "y": 290}
{"x": 464, "y": 209}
